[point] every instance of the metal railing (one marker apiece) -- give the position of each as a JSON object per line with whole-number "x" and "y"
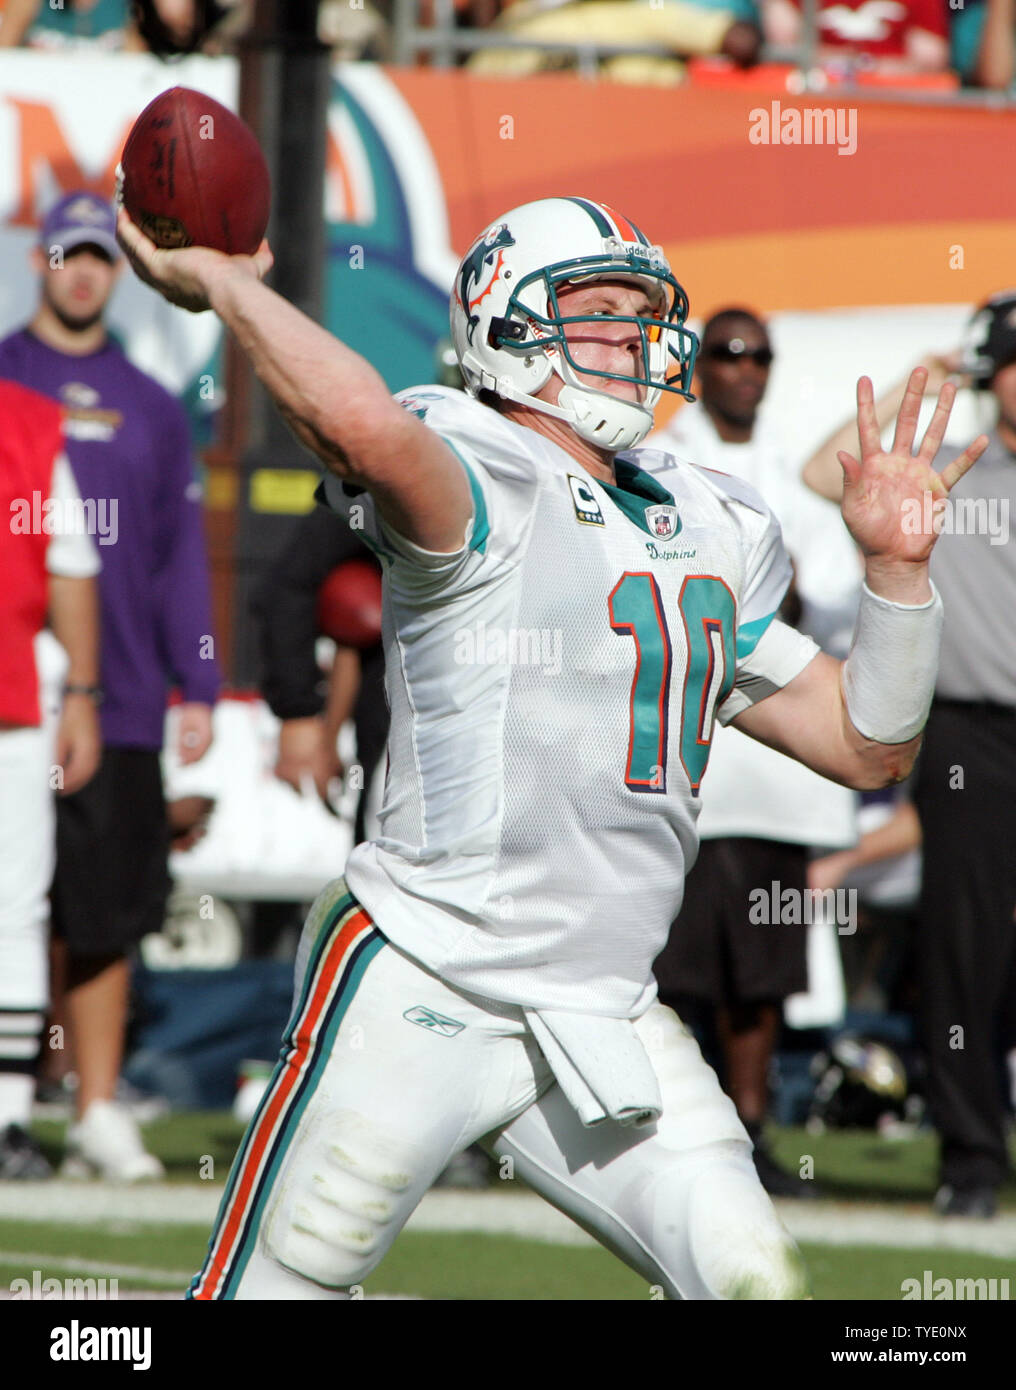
{"x": 443, "y": 43}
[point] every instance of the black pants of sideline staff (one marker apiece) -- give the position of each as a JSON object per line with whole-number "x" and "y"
{"x": 966, "y": 797}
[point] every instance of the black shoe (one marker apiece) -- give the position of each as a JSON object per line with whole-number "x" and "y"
{"x": 978, "y": 1202}
{"x": 21, "y": 1158}
{"x": 779, "y": 1183}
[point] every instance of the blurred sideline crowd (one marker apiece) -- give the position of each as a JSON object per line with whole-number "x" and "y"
{"x": 940, "y": 43}
{"x": 94, "y": 628}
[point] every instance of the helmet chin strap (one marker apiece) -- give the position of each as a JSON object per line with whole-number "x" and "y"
{"x": 595, "y": 416}
{"x": 604, "y": 420}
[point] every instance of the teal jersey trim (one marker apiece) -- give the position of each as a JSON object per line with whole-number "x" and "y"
{"x": 748, "y": 635}
{"x": 481, "y": 524}
{"x": 635, "y": 490}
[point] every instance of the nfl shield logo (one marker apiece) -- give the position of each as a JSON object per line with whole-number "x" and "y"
{"x": 663, "y": 521}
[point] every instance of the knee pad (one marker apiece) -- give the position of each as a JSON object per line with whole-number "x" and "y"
{"x": 344, "y": 1196}
{"x": 737, "y": 1246}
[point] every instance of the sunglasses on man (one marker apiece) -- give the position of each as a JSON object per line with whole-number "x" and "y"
{"x": 736, "y": 351}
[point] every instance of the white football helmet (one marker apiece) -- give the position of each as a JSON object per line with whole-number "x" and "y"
{"x": 508, "y": 330}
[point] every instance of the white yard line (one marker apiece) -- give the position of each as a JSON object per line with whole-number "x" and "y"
{"x": 25, "y": 1262}
{"x": 908, "y": 1229}
{"x": 503, "y": 1213}
{"x": 106, "y": 1204}
{"x": 28, "y": 1260}
{"x": 821, "y": 1223}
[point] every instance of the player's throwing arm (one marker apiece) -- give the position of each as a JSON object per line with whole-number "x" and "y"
{"x": 334, "y": 400}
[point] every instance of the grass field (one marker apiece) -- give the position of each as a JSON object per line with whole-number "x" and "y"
{"x": 849, "y": 1165}
{"x": 154, "y": 1239}
{"x": 451, "y": 1265}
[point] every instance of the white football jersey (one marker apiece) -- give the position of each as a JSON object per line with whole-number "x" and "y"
{"x": 553, "y": 686}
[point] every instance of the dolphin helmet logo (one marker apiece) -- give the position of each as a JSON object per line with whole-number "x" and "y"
{"x": 481, "y": 269}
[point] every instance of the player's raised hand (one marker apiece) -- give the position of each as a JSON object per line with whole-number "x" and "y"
{"x": 884, "y": 494}
{"x": 187, "y": 275}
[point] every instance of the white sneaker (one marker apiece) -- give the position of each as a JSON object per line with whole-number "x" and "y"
{"x": 106, "y": 1143}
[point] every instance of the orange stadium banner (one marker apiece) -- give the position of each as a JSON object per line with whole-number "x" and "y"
{"x": 897, "y": 204}
{"x": 866, "y": 228}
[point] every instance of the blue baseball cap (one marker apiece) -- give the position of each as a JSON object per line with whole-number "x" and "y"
{"x": 81, "y": 219}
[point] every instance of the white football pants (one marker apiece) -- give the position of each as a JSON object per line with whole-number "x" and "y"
{"x": 27, "y": 855}
{"x": 387, "y": 1073}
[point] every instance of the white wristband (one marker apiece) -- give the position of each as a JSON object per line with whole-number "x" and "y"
{"x": 889, "y": 676}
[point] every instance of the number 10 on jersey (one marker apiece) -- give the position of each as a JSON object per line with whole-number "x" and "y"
{"x": 708, "y": 612}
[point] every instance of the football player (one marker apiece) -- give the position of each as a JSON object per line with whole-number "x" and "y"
{"x": 561, "y": 630}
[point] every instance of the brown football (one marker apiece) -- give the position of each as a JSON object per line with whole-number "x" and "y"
{"x": 193, "y": 175}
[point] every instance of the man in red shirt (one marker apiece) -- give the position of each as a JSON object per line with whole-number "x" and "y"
{"x": 890, "y": 36}
{"x": 49, "y": 728}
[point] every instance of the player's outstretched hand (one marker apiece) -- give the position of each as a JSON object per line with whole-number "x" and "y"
{"x": 185, "y": 276}
{"x": 884, "y": 495}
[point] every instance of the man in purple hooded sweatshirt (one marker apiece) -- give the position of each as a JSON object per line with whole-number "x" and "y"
{"x": 129, "y": 446}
